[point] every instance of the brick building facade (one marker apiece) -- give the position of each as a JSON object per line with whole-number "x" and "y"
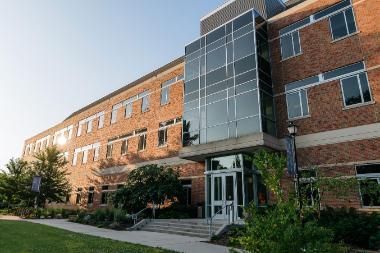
{"x": 257, "y": 65}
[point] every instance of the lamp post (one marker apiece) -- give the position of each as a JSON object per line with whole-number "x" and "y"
{"x": 292, "y": 129}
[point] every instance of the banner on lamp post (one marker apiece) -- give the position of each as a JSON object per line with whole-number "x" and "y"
{"x": 36, "y": 184}
{"x": 291, "y": 156}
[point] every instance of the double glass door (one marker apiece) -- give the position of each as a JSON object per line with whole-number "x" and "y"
{"x": 223, "y": 193}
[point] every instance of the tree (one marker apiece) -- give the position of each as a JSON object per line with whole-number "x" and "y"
{"x": 50, "y": 165}
{"x": 148, "y": 184}
{"x": 15, "y": 184}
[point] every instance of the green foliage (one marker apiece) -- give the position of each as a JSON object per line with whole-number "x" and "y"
{"x": 50, "y": 165}
{"x": 272, "y": 168}
{"x": 147, "y": 184}
{"x": 177, "y": 211}
{"x": 279, "y": 229}
{"x": 15, "y": 183}
{"x": 354, "y": 228}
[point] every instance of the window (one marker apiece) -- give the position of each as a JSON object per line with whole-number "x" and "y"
{"x": 115, "y": 108}
{"x": 164, "y": 94}
{"x": 124, "y": 147}
{"x": 119, "y": 186}
{"x": 342, "y": 24}
{"x": 308, "y": 190}
{"x": 128, "y": 110}
{"x": 79, "y": 196}
{"x": 297, "y": 104}
{"x": 75, "y": 157}
{"x": 80, "y": 125}
{"x": 290, "y": 45}
{"x": 142, "y": 139}
{"x": 162, "y": 136}
{"x": 90, "y": 197}
{"x": 355, "y": 90}
{"x": 101, "y": 121}
{"x": 96, "y": 153}
{"x": 85, "y": 156}
{"x": 369, "y": 184}
{"x": 89, "y": 126}
{"x": 105, "y": 195}
{"x": 109, "y": 150}
{"x": 145, "y": 101}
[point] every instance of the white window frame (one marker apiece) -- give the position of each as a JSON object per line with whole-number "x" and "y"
{"x": 121, "y": 148}
{"x": 345, "y": 22}
{"x": 299, "y": 42}
{"x": 360, "y": 89}
{"x": 145, "y": 142}
{"x": 301, "y": 105}
{"x": 165, "y": 129}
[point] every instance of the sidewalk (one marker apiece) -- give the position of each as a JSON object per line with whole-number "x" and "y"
{"x": 166, "y": 241}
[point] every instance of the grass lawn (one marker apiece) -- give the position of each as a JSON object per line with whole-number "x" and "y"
{"x": 25, "y": 237}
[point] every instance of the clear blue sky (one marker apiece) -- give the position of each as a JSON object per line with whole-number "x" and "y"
{"x": 57, "y": 56}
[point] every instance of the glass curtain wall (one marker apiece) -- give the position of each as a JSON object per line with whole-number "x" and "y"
{"x": 223, "y": 71}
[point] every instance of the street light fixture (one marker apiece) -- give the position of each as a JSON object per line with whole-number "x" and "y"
{"x": 293, "y": 129}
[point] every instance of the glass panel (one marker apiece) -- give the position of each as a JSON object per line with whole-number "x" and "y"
{"x": 217, "y": 133}
{"x": 230, "y": 188}
{"x": 191, "y": 96}
{"x": 191, "y": 105}
{"x": 365, "y": 87}
{"x": 230, "y": 53}
{"x": 216, "y": 59}
{"x": 294, "y": 105}
{"x": 244, "y": 46}
{"x": 245, "y": 77}
{"x": 248, "y": 126}
{"x": 216, "y": 113}
{"x": 217, "y": 96}
{"x": 192, "y": 69}
{"x": 287, "y": 46}
{"x": 242, "y": 20}
{"x": 262, "y": 195}
{"x": 304, "y": 82}
{"x": 344, "y": 70}
{"x": 267, "y": 105}
{"x": 165, "y": 96}
{"x": 239, "y": 188}
{"x": 232, "y": 129}
{"x": 351, "y": 91}
{"x": 331, "y": 9}
{"x": 216, "y": 76}
{"x": 225, "y": 162}
{"x": 203, "y": 117}
{"x": 248, "y": 188}
{"x": 296, "y": 42}
{"x": 247, "y": 104}
{"x": 350, "y": 21}
{"x": 368, "y": 168}
{"x": 128, "y": 110}
{"x": 269, "y": 126}
{"x": 217, "y": 188}
{"x": 245, "y": 64}
{"x": 194, "y": 46}
{"x": 295, "y": 25}
{"x": 190, "y": 138}
{"x": 215, "y": 35}
{"x": 305, "y": 106}
{"x": 191, "y": 120}
{"x": 192, "y": 86}
{"x": 338, "y": 26}
{"x": 370, "y": 192}
{"x": 243, "y": 30}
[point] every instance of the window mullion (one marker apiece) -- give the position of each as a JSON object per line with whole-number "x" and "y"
{"x": 300, "y": 97}
{"x": 360, "y": 88}
{"x": 345, "y": 22}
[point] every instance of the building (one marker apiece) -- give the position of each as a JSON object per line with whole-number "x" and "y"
{"x": 257, "y": 65}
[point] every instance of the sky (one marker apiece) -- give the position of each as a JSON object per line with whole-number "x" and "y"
{"x": 57, "y": 56}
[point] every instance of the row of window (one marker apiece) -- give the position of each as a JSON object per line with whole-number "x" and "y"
{"x": 354, "y": 87}
{"x": 342, "y": 24}
{"x": 105, "y": 194}
{"x": 368, "y": 177}
{"x": 60, "y": 137}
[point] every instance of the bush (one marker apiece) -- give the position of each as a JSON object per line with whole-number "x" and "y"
{"x": 177, "y": 211}
{"x": 279, "y": 229}
{"x": 354, "y": 228}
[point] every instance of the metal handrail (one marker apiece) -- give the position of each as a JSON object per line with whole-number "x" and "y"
{"x": 136, "y": 215}
{"x": 209, "y": 220}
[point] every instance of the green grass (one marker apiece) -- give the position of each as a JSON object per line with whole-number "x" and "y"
{"x": 25, "y": 237}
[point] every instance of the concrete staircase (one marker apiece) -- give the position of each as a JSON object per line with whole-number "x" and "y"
{"x": 188, "y": 227}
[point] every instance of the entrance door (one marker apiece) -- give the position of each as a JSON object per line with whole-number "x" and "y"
{"x": 223, "y": 193}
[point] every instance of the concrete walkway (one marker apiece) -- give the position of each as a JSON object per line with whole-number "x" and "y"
{"x": 166, "y": 241}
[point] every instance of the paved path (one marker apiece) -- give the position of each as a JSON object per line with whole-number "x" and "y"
{"x": 9, "y": 217}
{"x": 166, "y": 241}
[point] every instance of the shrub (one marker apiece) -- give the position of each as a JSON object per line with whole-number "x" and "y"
{"x": 354, "y": 228}
{"x": 177, "y": 211}
{"x": 100, "y": 215}
{"x": 278, "y": 229}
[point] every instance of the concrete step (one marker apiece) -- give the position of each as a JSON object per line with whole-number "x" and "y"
{"x": 176, "y": 228}
{"x": 176, "y": 232}
{"x": 185, "y": 225}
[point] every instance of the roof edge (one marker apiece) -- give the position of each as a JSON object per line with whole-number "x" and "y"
{"x": 128, "y": 86}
